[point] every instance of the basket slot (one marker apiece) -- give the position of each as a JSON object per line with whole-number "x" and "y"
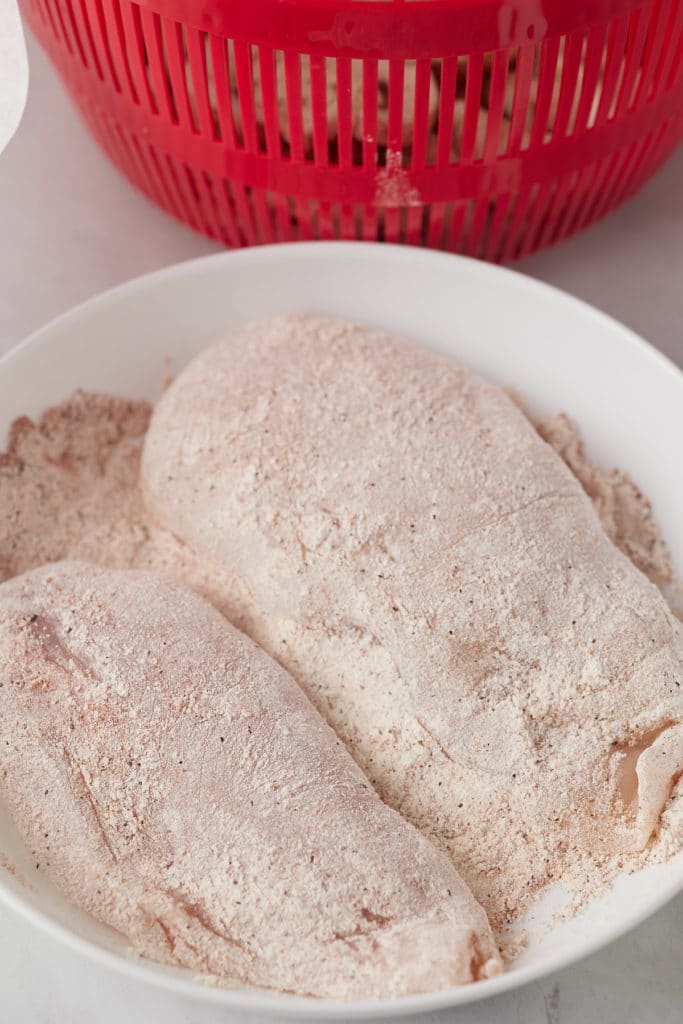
{"x": 522, "y": 102}
{"x": 616, "y": 45}
{"x": 494, "y": 140}
{"x": 142, "y": 158}
{"x": 481, "y": 215}
{"x": 344, "y": 72}
{"x": 102, "y": 45}
{"x": 555, "y": 210}
{"x": 219, "y": 62}
{"x": 635, "y": 47}
{"x": 206, "y": 199}
{"x": 588, "y": 212}
{"x": 666, "y": 140}
{"x": 139, "y": 159}
{"x": 295, "y": 125}
{"x": 109, "y": 134}
{"x": 113, "y": 27}
{"x": 496, "y": 227}
{"x": 415, "y": 224}
{"x": 370, "y": 85}
{"x": 127, "y": 155}
{"x": 434, "y": 227}
{"x": 136, "y": 53}
{"x": 173, "y": 45}
{"x": 221, "y": 212}
{"x": 370, "y": 223}
{"x": 237, "y": 195}
{"x": 445, "y": 142}
{"x": 392, "y": 223}
{"x": 423, "y": 111}
{"x": 591, "y": 78}
{"x": 576, "y": 195}
{"x": 456, "y": 223}
{"x": 83, "y": 31}
{"x": 266, "y": 99}
{"x": 358, "y": 222}
{"x": 546, "y": 95}
{"x": 202, "y": 89}
{"x": 132, "y": 158}
{"x": 102, "y": 129}
{"x": 39, "y": 12}
{"x": 583, "y": 200}
{"x": 348, "y": 223}
{"x": 89, "y": 34}
{"x": 203, "y": 202}
{"x": 154, "y": 48}
{"x": 302, "y": 214}
{"x": 536, "y": 212}
{"x": 629, "y": 174}
{"x": 281, "y": 217}
{"x": 677, "y": 66}
{"x": 176, "y": 174}
{"x": 181, "y": 192}
{"x": 660, "y": 16}
{"x": 313, "y": 222}
{"x": 227, "y": 211}
{"x": 71, "y": 8}
{"x": 325, "y": 220}
{"x": 393, "y": 156}
{"x": 64, "y": 27}
{"x": 398, "y": 234}
{"x": 666, "y": 69}
{"x": 290, "y": 206}
{"x": 439, "y": 224}
{"x": 615, "y": 165}
{"x": 244, "y": 75}
{"x": 168, "y": 185}
{"x": 677, "y": 62}
{"x": 569, "y": 83}
{"x": 472, "y": 139}
{"x": 262, "y": 216}
{"x": 646, "y": 154}
{"x": 551, "y": 214}
{"x": 496, "y": 253}
{"x": 669, "y": 138}
{"x": 232, "y": 230}
{"x": 397, "y": 82}
{"x": 336, "y": 220}
{"x": 517, "y": 221}
{"x": 158, "y": 174}
{"x": 307, "y": 114}
{"x": 318, "y": 83}
{"x": 53, "y": 19}
{"x": 177, "y": 170}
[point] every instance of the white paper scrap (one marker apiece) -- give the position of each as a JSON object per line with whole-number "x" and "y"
{"x": 13, "y": 71}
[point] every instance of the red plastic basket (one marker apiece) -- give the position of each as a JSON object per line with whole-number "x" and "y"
{"x": 481, "y": 126}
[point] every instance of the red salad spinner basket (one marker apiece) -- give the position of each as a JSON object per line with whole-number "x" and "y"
{"x": 481, "y": 126}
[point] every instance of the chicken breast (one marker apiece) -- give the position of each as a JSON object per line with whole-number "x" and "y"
{"x": 437, "y": 580}
{"x": 174, "y": 781}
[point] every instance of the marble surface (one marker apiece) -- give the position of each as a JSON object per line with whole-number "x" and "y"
{"x": 70, "y": 227}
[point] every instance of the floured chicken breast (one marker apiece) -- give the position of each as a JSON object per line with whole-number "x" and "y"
{"x": 435, "y": 577}
{"x": 173, "y": 780}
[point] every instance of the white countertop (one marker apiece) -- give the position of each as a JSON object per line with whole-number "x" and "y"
{"x": 70, "y": 226}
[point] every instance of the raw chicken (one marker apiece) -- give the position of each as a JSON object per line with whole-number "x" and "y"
{"x": 437, "y": 580}
{"x": 173, "y": 780}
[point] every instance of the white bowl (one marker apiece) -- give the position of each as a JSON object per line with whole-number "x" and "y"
{"x": 559, "y": 353}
